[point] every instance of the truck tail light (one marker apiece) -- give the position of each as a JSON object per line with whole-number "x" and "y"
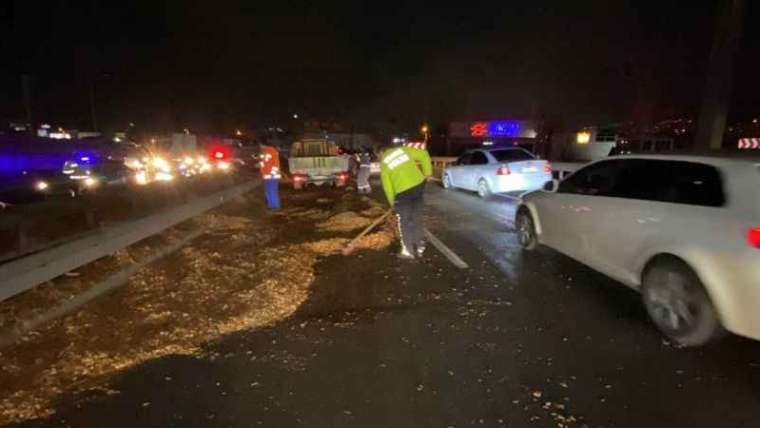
{"x": 299, "y": 177}
{"x": 503, "y": 170}
{"x": 753, "y": 237}
{"x": 548, "y": 168}
{"x": 342, "y": 175}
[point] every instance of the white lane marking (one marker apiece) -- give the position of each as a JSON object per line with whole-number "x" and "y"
{"x": 446, "y": 251}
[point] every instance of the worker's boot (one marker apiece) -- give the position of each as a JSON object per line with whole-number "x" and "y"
{"x": 405, "y": 254}
{"x": 420, "y": 249}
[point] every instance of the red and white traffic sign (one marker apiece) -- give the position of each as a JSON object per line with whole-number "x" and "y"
{"x": 749, "y": 143}
{"x": 416, "y": 145}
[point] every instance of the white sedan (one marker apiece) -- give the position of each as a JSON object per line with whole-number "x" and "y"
{"x": 497, "y": 170}
{"x": 683, "y": 230}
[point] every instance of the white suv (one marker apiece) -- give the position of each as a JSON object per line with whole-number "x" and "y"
{"x": 684, "y": 230}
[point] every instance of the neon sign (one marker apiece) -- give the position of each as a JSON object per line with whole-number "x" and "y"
{"x": 479, "y": 129}
{"x": 496, "y": 128}
{"x": 503, "y": 128}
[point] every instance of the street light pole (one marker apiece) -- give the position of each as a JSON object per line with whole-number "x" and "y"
{"x": 93, "y": 108}
{"x": 26, "y": 86}
{"x": 712, "y": 118}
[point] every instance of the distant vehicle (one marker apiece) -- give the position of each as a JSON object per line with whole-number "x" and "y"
{"x": 86, "y": 176}
{"x": 317, "y": 162}
{"x": 683, "y": 230}
{"x": 33, "y": 167}
{"x": 497, "y": 170}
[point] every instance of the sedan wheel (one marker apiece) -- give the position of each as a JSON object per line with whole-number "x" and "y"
{"x": 483, "y": 190}
{"x": 446, "y": 181}
{"x": 526, "y": 230}
{"x": 678, "y": 304}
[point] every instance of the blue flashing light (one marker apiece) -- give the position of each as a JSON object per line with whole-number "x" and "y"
{"x": 503, "y": 128}
{"x": 84, "y": 157}
{"x": 22, "y": 163}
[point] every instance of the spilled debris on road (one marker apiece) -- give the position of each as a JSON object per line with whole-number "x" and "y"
{"x": 250, "y": 269}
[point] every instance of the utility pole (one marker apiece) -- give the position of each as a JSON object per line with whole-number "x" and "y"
{"x": 712, "y": 118}
{"x": 26, "y": 87}
{"x": 93, "y": 107}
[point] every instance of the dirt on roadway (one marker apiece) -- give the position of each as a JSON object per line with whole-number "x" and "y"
{"x": 251, "y": 268}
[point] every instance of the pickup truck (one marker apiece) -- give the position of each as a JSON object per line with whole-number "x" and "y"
{"x": 317, "y": 161}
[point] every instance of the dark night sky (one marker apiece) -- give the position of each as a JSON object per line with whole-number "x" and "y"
{"x": 217, "y": 65}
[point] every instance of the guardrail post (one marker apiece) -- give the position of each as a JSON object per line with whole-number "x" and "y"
{"x": 22, "y": 236}
{"x": 91, "y": 218}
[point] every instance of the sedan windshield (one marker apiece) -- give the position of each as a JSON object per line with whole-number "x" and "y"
{"x": 511, "y": 155}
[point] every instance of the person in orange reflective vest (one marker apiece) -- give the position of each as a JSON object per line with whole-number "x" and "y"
{"x": 270, "y": 173}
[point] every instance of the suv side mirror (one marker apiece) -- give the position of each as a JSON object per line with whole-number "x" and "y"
{"x": 551, "y": 186}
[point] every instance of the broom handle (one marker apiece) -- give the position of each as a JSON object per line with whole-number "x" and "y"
{"x": 370, "y": 227}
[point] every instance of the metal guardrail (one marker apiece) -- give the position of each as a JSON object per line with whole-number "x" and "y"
{"x": 563, "y": 169}
{"x": 440, "y": 163}
{"x": 27, "y": 272}
{"x": 53, "y": 219}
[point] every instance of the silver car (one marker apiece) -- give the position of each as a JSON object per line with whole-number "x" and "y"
{"x": 497, "y": 170}
{"x": 683, "y": 230}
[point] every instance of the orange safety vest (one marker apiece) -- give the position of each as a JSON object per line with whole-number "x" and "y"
{"x": 270, "y": 163}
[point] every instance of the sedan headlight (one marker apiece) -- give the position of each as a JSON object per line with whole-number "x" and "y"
{"x": 141, "y": 178}
{"x": 223, "y": 166}
{"x": 161, "y": 164}
{"x": 133, "y": 163}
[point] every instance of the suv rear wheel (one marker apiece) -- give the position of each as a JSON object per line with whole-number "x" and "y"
{"x": 526, "y": 230}
{"x": 678, "y": 304}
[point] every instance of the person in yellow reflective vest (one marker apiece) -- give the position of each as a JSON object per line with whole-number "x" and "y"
{"x": 403, "y": 171}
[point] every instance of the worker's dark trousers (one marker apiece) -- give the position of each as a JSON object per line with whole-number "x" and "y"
{"x": 272, "y": 192}
{"x": 409, "y": 206}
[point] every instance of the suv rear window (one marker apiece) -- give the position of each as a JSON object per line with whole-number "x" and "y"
{"x": 677, "y": 182}
{"x": 511, "y": 155}
{"x": 696, "y": 184}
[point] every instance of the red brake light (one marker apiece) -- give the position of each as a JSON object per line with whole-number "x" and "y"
{"x": 503, "y": 170}
{"x": 299, "y": 177}
{"x": 219, "y": 155}
{"x": 548, "y": 168}
{"x": 753, "y": 237}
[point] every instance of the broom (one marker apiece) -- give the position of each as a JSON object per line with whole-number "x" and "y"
{"x": 350, "y": 247}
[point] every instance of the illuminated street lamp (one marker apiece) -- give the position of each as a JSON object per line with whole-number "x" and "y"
{"x": 239, "y": 133}
{"x": 295, "y": 116}
{"x": 424, "y": 129}
{"x": 583, "y": 137}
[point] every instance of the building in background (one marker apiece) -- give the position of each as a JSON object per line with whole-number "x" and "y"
{"x": 597, "y": 142}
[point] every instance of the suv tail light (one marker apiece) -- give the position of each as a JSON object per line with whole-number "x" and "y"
{"x": 548, "y": 168}
{"x": 753, "y": 237}
{"x": 503, "y": 170}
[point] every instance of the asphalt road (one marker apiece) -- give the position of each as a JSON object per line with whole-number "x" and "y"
{"x": 515, "y": 340}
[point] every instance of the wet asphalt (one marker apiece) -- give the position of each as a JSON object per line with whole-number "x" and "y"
{"x": 517, "y": 340}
